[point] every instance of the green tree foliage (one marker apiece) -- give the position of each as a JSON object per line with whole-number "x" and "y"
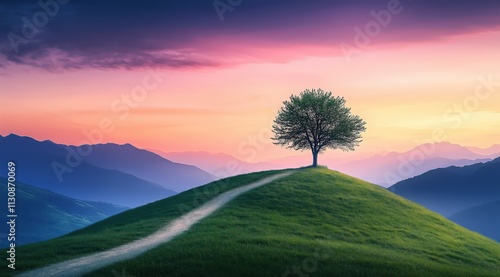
{"x": 317, "y": 120}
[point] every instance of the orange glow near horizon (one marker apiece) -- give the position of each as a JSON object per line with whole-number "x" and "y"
{"x": 403, "y": 93}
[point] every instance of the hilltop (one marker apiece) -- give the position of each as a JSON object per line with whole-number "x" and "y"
{"x": 316, "y": 221}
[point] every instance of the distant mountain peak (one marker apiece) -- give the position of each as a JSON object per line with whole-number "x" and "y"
{"x": 106, "y": 167}
{"x": 16, "y": 136}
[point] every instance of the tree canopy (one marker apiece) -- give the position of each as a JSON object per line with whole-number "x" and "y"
{"x": 317, "y": 120}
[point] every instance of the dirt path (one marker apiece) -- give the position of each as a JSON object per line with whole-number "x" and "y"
{"x": 80, "y": 266}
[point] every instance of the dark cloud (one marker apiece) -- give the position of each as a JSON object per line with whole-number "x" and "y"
{"x": 180, "y": 33}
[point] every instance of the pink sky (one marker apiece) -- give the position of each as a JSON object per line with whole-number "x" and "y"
{"x": 404, "y": 88}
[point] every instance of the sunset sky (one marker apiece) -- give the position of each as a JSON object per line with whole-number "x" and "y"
{"x": 431, "y": 71}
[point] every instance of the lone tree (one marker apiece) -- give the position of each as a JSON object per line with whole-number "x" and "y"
{"x": 317, "y": 120}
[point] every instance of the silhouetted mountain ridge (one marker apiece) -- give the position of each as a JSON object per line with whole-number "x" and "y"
{"x": 450, "y": 190}
{"x": 61, "y": 169}
{"x": 147, "y": 166}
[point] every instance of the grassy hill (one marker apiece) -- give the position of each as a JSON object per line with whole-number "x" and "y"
{"x": 317, "y": 222}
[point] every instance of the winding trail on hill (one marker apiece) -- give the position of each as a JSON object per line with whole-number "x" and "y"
{"x": 86, "y": 264}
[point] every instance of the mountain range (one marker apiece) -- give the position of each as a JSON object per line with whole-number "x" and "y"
{"x": 390, "y": 168}
{"x": 148, "y": 166}
{"x": 110, "y": 173}
{"x": 469, "y": 195}
{"x": 385, "y": 169}
{"x": 453, "y": 189}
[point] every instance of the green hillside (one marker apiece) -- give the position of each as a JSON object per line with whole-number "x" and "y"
{"x": 316, "y": 222}
{"x": 124, "y": 227}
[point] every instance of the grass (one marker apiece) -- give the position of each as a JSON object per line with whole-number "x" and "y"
{"x": 124, "y": 227}
{"x": 316, "y": 222}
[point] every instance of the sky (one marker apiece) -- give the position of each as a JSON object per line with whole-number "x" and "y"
{"x": 211, "y": 75}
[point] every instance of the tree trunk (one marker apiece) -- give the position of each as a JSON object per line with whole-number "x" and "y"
{"x": 315, "y": 158}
